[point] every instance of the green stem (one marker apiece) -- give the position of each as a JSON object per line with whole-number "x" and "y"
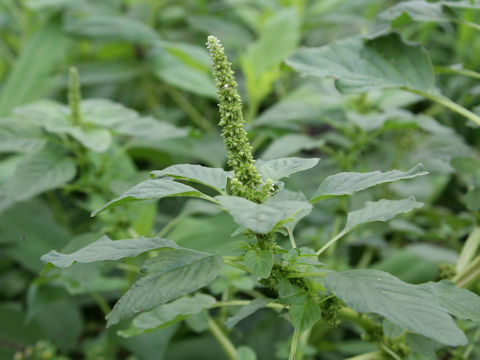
{"x": 292, "y": 238}
{"x": 471, "y": 346}
{"x": 74, "y": 96}
{"x": 222, "y": 339}
{"x": 448, "y": 104}
{"x": 331, "y": 242}
{"x": 464, "y": 72}
{"x": 101, "y": 303}
{"x": 271, "y": 305}
{"x": 190, "y": 110}
{"x": 293, "y": 349}
{"x": 169, "y": 226}
{"x": 469, "y": 249}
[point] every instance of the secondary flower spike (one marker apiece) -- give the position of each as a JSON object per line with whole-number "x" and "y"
{"x": 247, "y": 181}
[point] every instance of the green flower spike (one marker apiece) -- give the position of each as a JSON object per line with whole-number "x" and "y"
{"x": 74, "y": 96}
{"x": 246, "y": 182}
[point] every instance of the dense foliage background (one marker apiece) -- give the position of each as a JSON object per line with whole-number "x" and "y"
{"x": 149, "y": 56}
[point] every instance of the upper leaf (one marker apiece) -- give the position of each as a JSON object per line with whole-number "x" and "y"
{"x": 215, "y": 178}
{"x": 281, "y": 168}
{"x": 259, "y": 262}
{"x": 382, "y": 210}
{"x": 359, "y": 65}
{"x": 165, "y": 284}
{"x": 348, "y": 183}
{"x": 107, "y": 249}
{"x": 412, "y": 307}
{"x": 304, "y": 314}
{"x": 261, "y": 218}
{"x": 153, "y": 189}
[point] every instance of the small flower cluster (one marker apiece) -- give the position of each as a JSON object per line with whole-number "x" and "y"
{"x": 247, "y": 182}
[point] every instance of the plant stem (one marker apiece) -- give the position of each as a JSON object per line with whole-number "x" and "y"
{"x": 222, "y": 339}
{"x": 330, "y": 242}
{"x": 101, "y": 303}
{"x": 292, "y": 238}
{"x": 74, "y": 96}
{"x": 469, "y": 249}
{"x": 271, "y": 305}
{"x": 293, "y": 349}
{"x": 464, "y": 72}
{"x": 470, "y": 275}
{"x": 448, "y": 104}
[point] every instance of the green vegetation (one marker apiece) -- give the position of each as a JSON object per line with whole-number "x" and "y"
{"x": 339, "y": 218}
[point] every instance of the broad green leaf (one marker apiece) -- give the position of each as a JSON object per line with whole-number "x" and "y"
{"x": 259, "y": 262}
{"x": 472, "y": 199}
{"x": 153, "y": 190}
{"x": 37, "y": 173}
{"x": 246, "y": 311}
{"x": 181, "y": 71}
{"x": 382, "y": 210}
{"x": 282, "y": 168}
{"x": 166, "y": 284}
{"x": 290, "y": 144}
{"x": 305, "y": 314}
{"x": 360, "y": 65}
{"x": 18, "y": 136}
{"x": 349, "y": 183}
{"x": 29, "y": 77}
{"x": 461, "y": 303}
{"x": 412, "y": 307}
{"x": 168, "y": 314}
{"x": 106, "y": 113}
{"x": 111, "y": 28}
{"x": 97, "y": 140}
{"x": 261, "y": 218}
{"x": 107, "y": 249}
{"x": 213, "y": 177}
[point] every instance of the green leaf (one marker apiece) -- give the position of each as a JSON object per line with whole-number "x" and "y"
{"x": 360, "y": 65}
{"x": 382, "y": 210}
{"x": 107, "y": 249}
{"x": 282, "y": 168}
{"x": 111, "y": 28}
{"x": 37, "y": 173}
{"x": 181, "y": 70}
{"x": 153, "y": 190}
{"x": 304, "y": 314}
{"x": 246, "y": 311}
{"x": 461, "y": 303}
{"x": 29, "y": 77}
{"x": 412, "y": 307}
{"x": 168, "y": 314}
{"x": 259, "y": 262}
{"x": 149, "y": 130}
{"x": 20, "y": 136}
{"x": 245, "y": 353}
{"x": 167, "y": 283}
{"x": 97, "y": 140}
{"x": 261, "y": 218}
{"x": 215, "y": 178}
{"x": 422, "y": 345}
{"x": 290, "y": 144}
{"x": 348, "y": 183}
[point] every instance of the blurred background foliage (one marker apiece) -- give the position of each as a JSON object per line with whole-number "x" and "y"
{"x": 149, "y": 56}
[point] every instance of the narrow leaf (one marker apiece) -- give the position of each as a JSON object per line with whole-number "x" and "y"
{"x": 382, "y": 210}
{"x": 348, "y": 183}
{"x": 284, "y": 167}
{"x": 246, "y": 311}
{"x": 213, "y": 177}
{"x": 107, "y": 249}
{"x": 152, "y": 190}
